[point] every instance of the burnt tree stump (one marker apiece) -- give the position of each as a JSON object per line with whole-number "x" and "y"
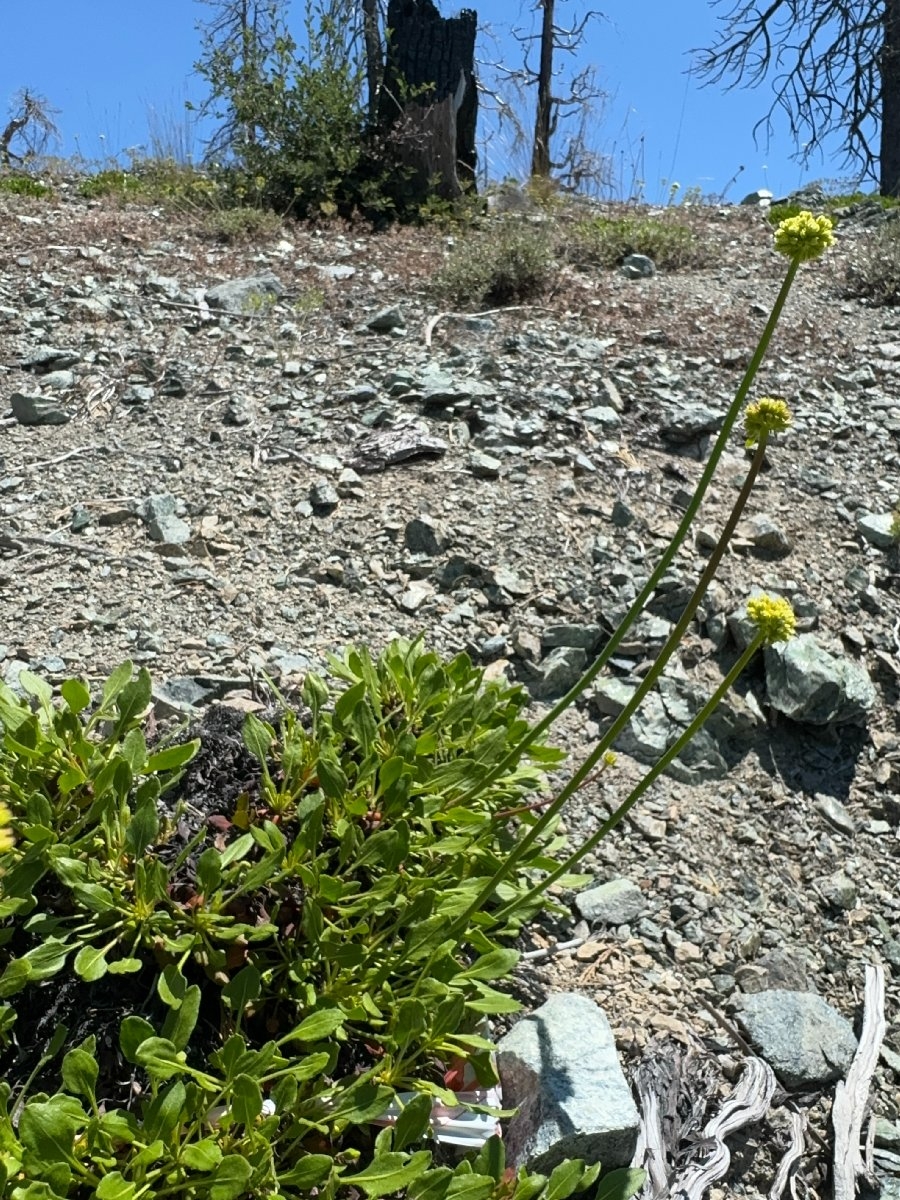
{"x": 429, "y": 100}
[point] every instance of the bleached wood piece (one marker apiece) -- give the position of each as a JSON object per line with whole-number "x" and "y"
{"x": 650, "y": 1153}
{"x": 748, "y": 1103}
{"x": 851, "y": 1094}
{"x": 791, "y": 1158}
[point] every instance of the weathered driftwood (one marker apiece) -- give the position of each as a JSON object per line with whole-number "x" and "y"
{"x": 851, "y": 1095}
{"x": 786, "y": 1175}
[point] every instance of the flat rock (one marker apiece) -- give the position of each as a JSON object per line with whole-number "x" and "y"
{"x": 802, "y": 1038}
{"x": 246, "y": 294}
{"x": 559, "y": 1067}
{"x": 616, "y": 902}
{"x": 34, "y": 409}
{"x": 879, "y": 529}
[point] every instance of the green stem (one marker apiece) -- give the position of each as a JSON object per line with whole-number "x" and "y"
{"x": 649, "y": 779}
{"x": 647, "y": 683}
{"x": 649, "y": 588}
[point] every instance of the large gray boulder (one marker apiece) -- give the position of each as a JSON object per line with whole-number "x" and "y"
{"x": 559, "y": 1067}
{"x": 808, "y": 684}
{"x": 247, "y": 295}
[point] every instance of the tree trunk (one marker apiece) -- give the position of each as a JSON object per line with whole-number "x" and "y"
{"x": 889, "y": 157}
{"x": 429, "y": 101}
{"x": 374, "y": 60}
{"x": 540, "y": 154}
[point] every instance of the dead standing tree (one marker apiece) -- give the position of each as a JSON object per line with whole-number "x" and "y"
{"x": 836, "y": 70}
{"x": 31, "y": 122}
{"x": 429, "y": 99}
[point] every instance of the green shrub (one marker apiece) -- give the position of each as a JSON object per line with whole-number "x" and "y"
{"x": 873, "y": 271}
{"x": 232, "y": 225}
{"x": 24, "y": 185}
{"x": 605, "y": 241}
{"x": 275, "y": 968}
{"x": 507, "y": 263}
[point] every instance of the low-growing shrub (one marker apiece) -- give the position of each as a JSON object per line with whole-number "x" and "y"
{"x": 873, "y": 270}
{"x": 508, "y": 262}
{"x": 231, "y": 225}
{"x": 24, "y": 185}
{"x": 602, "y": 241}
{"x": 243, "y": 981}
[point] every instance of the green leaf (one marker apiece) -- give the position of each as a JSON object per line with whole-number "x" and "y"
{"x": 498, "y": 964}
{"x": 114, "y": 1186}
{"x": 133, "y": 749}
{"x": 117, "y": 680}
{"x": 257, "y": 736}
{"x": 232, "y": 1177}
{"x": 90, "y": 963}
{"x": 390, "y": 1173}
{"x": 433, "y": 1185}
{"x": 564, "y": 1179}
{"x": 47, "y": 958}
{"x": 47, "y": 1130}
{"x": 80, "y": 1070}
{"x": 318, "y": 1025}
{"x": 143, "y": 828}
{"x": 412, "y": 1124}
{"x": 491, "y": 1159}
{"x": 470, "y": 1187}
{"x": 621, "y": 1184}
{"x": 33, "y": 685}
{"x": 347, "y": 702}
{"x": 181, "y": 1021}
{"x": 201, "y": 1156}
{"x": 166, "y": 1111}
{"x": 311, "y": 1171}
{"x": 209, "y": 870}
{"x": 171, "y": 986}
{"x": 76, "y": 695}
{"x": 125, "y": 966}
{"x": 387, "y": 848}
{"x": 172, "y": 757}
{"x": 160, "y": 1057}
{"x": 246, "y": 1103}
{"x": 243, "y": 989}
{"x": 132, "y": 701}
{"x": 332, "y": 779}
{"x": 132, "y": 1033}
{"x": 15, "y": 977}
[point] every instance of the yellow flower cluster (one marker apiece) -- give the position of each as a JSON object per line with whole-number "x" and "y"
{"x": 804, "y": 237}
{"x": 6, "y": 834}
{"x": 766, "y": 416}
{"x": 773, "y": 617}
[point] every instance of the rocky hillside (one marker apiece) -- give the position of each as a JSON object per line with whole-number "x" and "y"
{"x": 221, "y": 460}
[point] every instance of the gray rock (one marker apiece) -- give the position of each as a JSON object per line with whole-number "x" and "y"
{"x": 784, "y": 969}
{"x": 560, "y": 670}
{"x": 838, "y": 891}
{"x": 587, "y": 637}
{"x": 245, "y": 295}
{"x": 58, "y": 381}
{"x": 169, "y": 529}
{"x": 638, "y": 266}
{"x": 835, "y": 814}
{"x": 37, "y": 410}
{"x": 805, "y": 1041}
{"x": 386, "y": 320}
{"x": 761, "y": 198}
{"x": 691, "y": 422}
{"x": 559, "y": 1067}
{"x": 808, "y": 684}
{"x": 617, "y": 902}
{"x": 484, "y": 466}
{"x": 323, "y": 497}
{"x": 137, "y": 394}
{"x": 879, "y": 529}
{"x": 622, "y": 515}
{"x": 603, "y": 415}
{"x": 422, "y": 536}
{"x": 765, "y": 534}
{"x": 48, "y": 358}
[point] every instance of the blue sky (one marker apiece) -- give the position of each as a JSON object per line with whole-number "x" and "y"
{"x": 119, "y": 69}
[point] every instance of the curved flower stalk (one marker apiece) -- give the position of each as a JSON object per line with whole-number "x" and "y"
{"x": 801, "y": 239}
{"x": 775, "y": 622}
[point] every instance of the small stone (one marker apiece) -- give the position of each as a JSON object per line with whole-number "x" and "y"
{"x": 838, "y": 891}
{"x": 638, "y": 266}
{"x": 386, "y": 320}
{"x": 484, "y": 466}
{"x": 880, "y": 529}
{"x": 765, "y": 534}
{"x": 835, "y": 814}
{"x": 622, "y": 515}
{"x": 422, "y": 536}
{"x": 616, "y": 902}
{"x": 323, "y": 497}
{"x": 603, "y": 415}
{"x": 248, "y": 295}
{"x": 34, "y": 409}
{"x": 417, "y": 592}
{"x": 170, "y": 530}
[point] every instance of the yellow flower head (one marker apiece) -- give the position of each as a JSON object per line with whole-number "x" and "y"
{"x": 766, "y": 416}
{"x": 804, "y": 237}
{"x": 774, "y": 618}
{"x": 6, "y": 834}
{"x": 609, "y": 759}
